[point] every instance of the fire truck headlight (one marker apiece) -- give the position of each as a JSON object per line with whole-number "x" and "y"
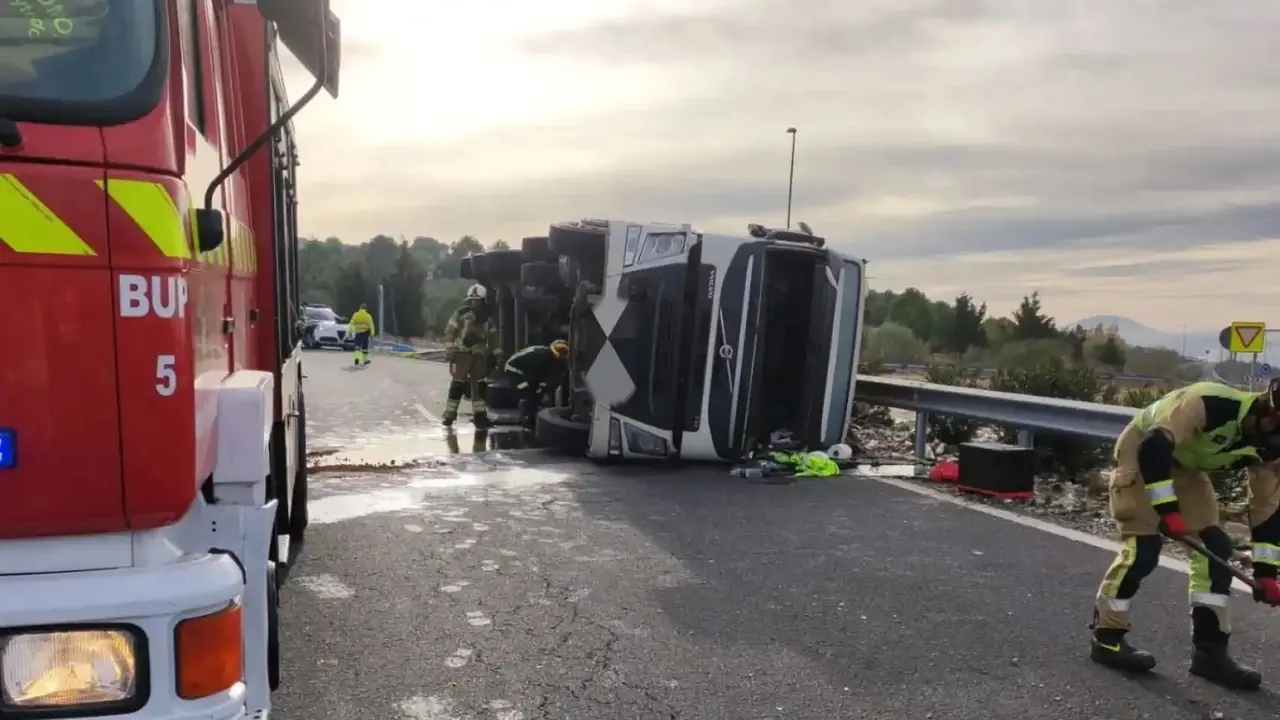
{"x": 68, "y": 670}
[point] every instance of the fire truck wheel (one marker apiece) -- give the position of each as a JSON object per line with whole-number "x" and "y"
{"x": 273, "y": 628}
{"x": 540, "y": 275}
{"x": 465, "y": 270}
{"x": 537, "y": 249}
{"x": 555, "y": 429}
{"x": 504, "y": 265}
{"x": 299, "y": 516}
{"x": 577, "y": 240}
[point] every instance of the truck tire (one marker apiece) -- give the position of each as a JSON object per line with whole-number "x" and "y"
{"x": 299, "y": 515}
{"x": 479, "y": 267}
{"x": 540, "y": 275}
{"x": 465, "y": 271}
{"x": 273, "y": 628}
{"x": 537, "y": 249}
{"x": 504, "y": 265}
{"x": 555, "y": 429}
{"x": 577, "y": 240}
{"x": 501, "y": 395}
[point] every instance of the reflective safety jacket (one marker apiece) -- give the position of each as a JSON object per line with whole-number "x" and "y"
{"x": 1204, "y": 420}
{"x": 808, "y": 464}
{"x": 361, "y": 321}
{"x": 536, "y": 364}
{"x": 471, "y": 330}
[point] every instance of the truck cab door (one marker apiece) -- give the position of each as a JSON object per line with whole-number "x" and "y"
{"x": 639, "y": 378}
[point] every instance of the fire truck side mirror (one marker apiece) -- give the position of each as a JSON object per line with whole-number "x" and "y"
{"x": 210, "y": 227}
{"x": 312, "y": 33}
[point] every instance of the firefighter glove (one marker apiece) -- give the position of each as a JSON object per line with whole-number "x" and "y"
{"x": 1268, "y": 591}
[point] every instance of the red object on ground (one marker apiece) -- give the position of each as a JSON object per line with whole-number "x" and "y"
{"x": 946, "y": 471}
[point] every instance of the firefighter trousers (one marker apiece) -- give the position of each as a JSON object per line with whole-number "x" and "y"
{"x": 1139, "y": 526}
{"x": 362, "y": 347}
{"x": 469, "y": 371}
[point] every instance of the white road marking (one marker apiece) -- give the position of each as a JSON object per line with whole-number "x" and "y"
{"x": 413, "y": 528}
{"x": 455, "y": 587}
{"x": 478, "y": 619}
{"x": 425, "y": 413}
{"x": 1081, "y": 537}
{"x": 326, "y": 586}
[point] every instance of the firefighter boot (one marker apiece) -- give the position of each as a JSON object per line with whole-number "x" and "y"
{"x": 1109, "y": 648}
{"x": 481, "y": 419}
{"x": 456, "y": 389}
{"x": 1210, "y": 659}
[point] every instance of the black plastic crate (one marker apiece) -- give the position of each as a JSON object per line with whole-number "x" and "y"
{"x": 998, "y": 470}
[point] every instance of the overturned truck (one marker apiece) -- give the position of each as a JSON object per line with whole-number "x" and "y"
{"x": 683, "y": 344}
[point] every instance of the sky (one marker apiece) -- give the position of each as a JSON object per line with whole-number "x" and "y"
{"x": 1123, "y": 158}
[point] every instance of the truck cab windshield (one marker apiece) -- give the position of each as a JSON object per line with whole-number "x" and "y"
{"x": 71, "y": 61}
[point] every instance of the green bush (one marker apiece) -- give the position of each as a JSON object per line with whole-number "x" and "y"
{"x": 948, "y": 429}
{"x": 893, "y": 343}
{"x": 1053, "y": 377}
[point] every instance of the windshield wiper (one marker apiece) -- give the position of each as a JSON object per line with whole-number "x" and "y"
{"x": 10, "y": 135}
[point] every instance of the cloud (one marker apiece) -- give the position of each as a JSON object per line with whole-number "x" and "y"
{"x": 959, "y": 132}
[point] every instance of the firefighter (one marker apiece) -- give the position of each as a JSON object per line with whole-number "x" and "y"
{"x": 362, "y": 325}
{"x": 1160, "y": 487}
{"x": 535, "y": 370}
{"x": 470, "y": 340}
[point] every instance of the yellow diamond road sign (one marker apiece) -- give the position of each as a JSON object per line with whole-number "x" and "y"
{"x": 1248, "y": 337}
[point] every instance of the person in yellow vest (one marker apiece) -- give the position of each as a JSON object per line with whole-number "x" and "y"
{"x": 1160, "y": 486}
{"x": 470, "y": 339}
{"x": 361, "y": 324}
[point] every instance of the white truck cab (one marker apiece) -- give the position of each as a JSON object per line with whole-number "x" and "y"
{"x": 697, "y": 346}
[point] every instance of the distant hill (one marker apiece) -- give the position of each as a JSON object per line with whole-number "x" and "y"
{"x": 1135, "y": 333}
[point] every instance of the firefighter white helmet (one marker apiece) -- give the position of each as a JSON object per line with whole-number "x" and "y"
{"x": 840, "y": 452}
{"x": 477, "y": 292}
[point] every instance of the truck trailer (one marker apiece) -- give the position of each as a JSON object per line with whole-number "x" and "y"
{"x": 152, "y": 416}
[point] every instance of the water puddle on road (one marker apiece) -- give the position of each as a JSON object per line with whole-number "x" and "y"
{"x": 397, "y": 453}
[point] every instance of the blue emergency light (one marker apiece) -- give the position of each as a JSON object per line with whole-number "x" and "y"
{"x": 8, "y": 448}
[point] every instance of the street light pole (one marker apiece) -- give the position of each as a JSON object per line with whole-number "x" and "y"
{"x": 791, "y": 177}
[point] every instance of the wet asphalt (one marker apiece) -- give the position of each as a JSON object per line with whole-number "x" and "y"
{"x": 472, "y": 578}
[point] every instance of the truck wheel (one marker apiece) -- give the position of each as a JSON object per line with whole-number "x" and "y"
{"x": 480, "y": 267}
{"x": 555, "y": 429}
{"x": 536, "y": 249}
{"x": 501, "y": 395}
{"x": 540, "y": 275}
{"x": 299, "y": 516}
{"x": 273, "y": 628}
{"x": 465, "y": 271}
{"x": 504, "y": 265}
{"x": 577, "y": 240}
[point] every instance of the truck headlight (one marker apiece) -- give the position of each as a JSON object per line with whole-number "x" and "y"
{"x": 68, "y": 669}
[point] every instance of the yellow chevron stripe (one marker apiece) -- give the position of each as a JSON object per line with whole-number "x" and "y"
{"x": 151, "y": 206}
{"x": 29, "y": 226}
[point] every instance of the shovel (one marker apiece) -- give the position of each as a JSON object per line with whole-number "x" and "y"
{"x": 1197, "y": 546}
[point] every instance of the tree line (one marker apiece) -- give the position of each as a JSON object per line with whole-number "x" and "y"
{"x": 420, "y": 279}
{"x": 909, "y": 328}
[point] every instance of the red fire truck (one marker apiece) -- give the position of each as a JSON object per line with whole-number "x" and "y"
{"x": 152, "y": 422}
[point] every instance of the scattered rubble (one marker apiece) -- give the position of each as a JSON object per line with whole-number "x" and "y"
{"x": 1080, "y": 505}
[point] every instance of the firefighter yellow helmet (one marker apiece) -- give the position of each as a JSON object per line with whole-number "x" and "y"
{"x": 559, "y": 348}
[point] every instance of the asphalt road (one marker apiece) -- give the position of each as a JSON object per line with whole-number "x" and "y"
{"x": 441, "y": 583}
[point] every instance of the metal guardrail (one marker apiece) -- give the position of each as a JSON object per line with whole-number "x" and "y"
{"x": 991, "y": 371}
{"x": 1027, "y": 413}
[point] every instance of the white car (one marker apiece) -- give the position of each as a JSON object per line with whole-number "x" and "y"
{"x": 325, "y": 329}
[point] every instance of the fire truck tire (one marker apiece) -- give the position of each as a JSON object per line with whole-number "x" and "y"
{"x": 504, "y": 265}
{"x": 299, "y": 516}
{"x": 537, "y": 249}
{"x": 577, "y": 240}
{"x": 273, "y": 628}
{"x": 465, "y": 271}
{"x": 555, "y": 429}
{"x": 540, "y": 275}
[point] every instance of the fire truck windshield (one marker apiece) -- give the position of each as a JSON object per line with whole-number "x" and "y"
{"x": 76, "y": 61}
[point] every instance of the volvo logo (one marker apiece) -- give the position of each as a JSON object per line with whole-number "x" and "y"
{"x": 726, "y": 352}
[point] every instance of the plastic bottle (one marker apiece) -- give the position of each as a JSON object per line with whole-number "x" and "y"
{"x": 747, "y": 472}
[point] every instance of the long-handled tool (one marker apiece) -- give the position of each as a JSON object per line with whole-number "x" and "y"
{"x": 1199, "y": 547}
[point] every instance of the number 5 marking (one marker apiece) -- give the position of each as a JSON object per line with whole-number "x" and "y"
{"x": 166, "y": 377}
